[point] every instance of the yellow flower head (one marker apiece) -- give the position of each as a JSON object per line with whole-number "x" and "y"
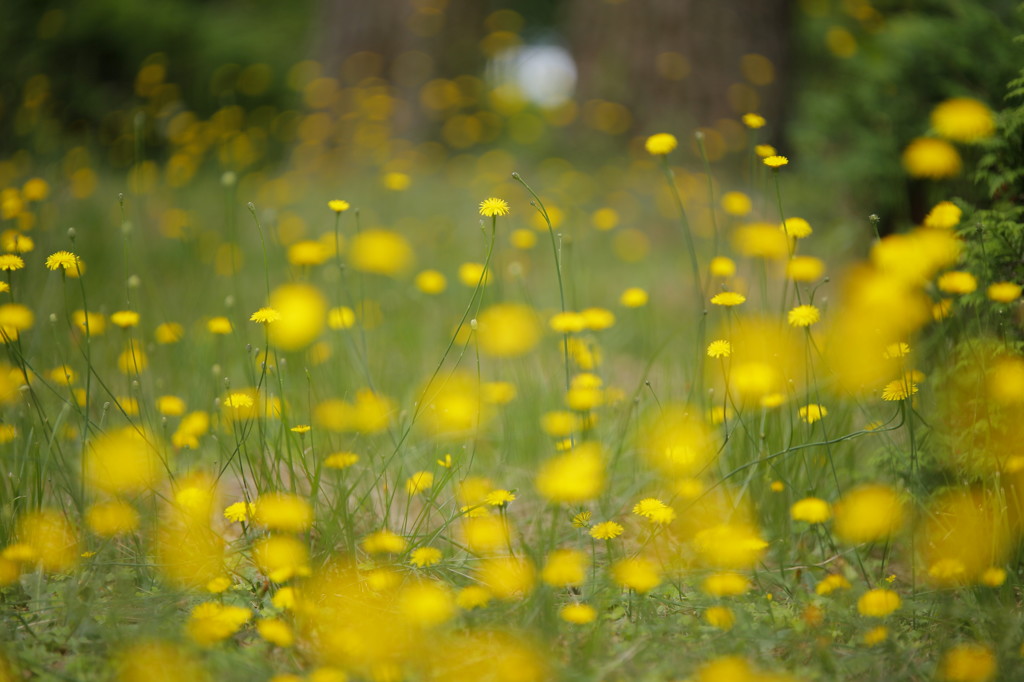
{"x": 928, "y": 157}
{"x": 661, "y": 144}
{"x": 492, "y": 207}
{"x": 963, "y": 119}
{"x": 265, "y": 316}
{"x": 1004, "y": 292}
{"x": 775, "y": 161}
{"x": 9, "y": 262}
{"x": 804, "y": 316}
{"x": 338, "y": 205}
{"x": 754, "y": 121}
{"x": 606, "y": 530}
{"x": 878, "y": 603}
{"x": 719, "y": 349}
{"x": 62, "y": 259}
{"x": 943, "y": 216}
{"x": 728, "y": 298}
{"x": 811, "y": 510}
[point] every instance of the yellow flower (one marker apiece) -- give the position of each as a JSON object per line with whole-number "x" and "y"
{"x": 574, "y": 477}
{"x": 169, "y": 332}
{"x": 775, "y": 161}
{"x": 813, "y": 412}
{"x": 943, "y": 216}
{"x": 418, "y": 482}
{"x": 125, "y": 318}
{"x": 508, "y": 578}
{"x": 211, "y": 622}
{"x": 492, "y": 207}
{"x": 62, "y": 259}
{"x": 265, "y": 316}
{"x": 284, "y": 512}
{"x": 578, "y": 614}
{"x": 607, "y": 530}
{"x": 381, "y": 252}
{"x": 9, "y": 262}
{"x": 725, "y": 584}
{"x": 722, "y": 266}
{"x": 218, "y": 325}
{"x": 238, "y": 512}
{"x": 108, "y": 519}
{"x": 796, "y": 227}
{"x": 764, "y": 150}
{"x": 384, "y": 542}
{"x": 963, "y": 119}
{"x": 876, "y": 636}
{"x": 655, "y": 510}
{"x": 754, "y": 121}
{"x": 720, "y": 617}
{"x": 803, "y": 316}
{"x": 565, "y": 568}
{"x": 633, "y": 297}
{"x": 338, "y": 205}
{"x": 957, "y": 282}
{"x": 831, "y": 583}
{"x": 660, "y": 144}
{"x": 301, "y": 428}
{"x": 805, "y": 268}
{"x": 968, "y": 662}
{"x": 341, "y": 460}
{"x": 811, "y": 510}
{"x": 719, "y": 348}
{"x": 878, "y": 603}
{"x": 927, "y": 157}
{"x": 728, "y": 298}
{"x": 868, "y": 513}
{"x": 499, "y": 498}
{"x": 638, "y": 574}
{"x": 425, "y": 556}
{"x": 900, "y": 389}
{"x": 431, "y": 282}
{"x": 507, "y": 330}
{"x": 1004, "y": 292}
{"x": 275, "y": 631}
{"x": 736, "y": 203}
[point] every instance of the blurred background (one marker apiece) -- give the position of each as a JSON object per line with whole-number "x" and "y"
{"x": 170, "y": 91}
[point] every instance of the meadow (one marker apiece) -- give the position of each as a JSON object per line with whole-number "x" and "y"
{"x": 415, "y": 413}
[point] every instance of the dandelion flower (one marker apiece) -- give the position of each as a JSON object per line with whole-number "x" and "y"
{"x": 660, "y": 144}
{"x": 9, "y": 262}
{"x": 868, "y": 513}
{"x": 811, "y": 510}
{"x": 275, "y": 631}
{"x": 578, "y": 614}
{"x": 962, "y": 119}
{"x": 606, "y": 530}
{"x": 239, "y": 512}
{"x": 968, "y": 663}
{"x": 492, "y": 207}
{"x": 775, "y": 161}
{"x": 62, "y": 259}
{"x": 736, "y": 203}
{"x": 633, "y": 297}
{"x": 565, "y": 568}
{"x": 218, "y": 325}
{"x": 638, "y": 574}
{"x": 125, "y": 318}
{"x": 265, "y": 316}
{"x": 875, "y": 636}
{"x": 499, "y": 498}
{"x": 927, "y": 157}
{"x": 796, "y": 227}
{"x": 1003, "y": 292}
{"x": 725, "y": 584}
{"x": 764, "y": 150}
{"x": 425, "y": 556}
{"x": 812, "y": 412}
{"x": 719, "y": 348}
{"x": 418, "y": 482}
{"x": 957, "y": 282}
{"x": 878, "y": 603}
{"x": 722, "y": 266}
{"x": 338, "y": 205}
{"x": 803, "y": 316}
{"x": 754, "y": 121}
{"x": 728, "y": 298}
{"x": 805, "y": 268}
{"x": 943, "y": 216}
{"x": 238, "y": 400}
{"x": 900, "y": 389}
{"x": 655, "y": 510}
{"x": 831, "y": 583}
{"x": 720, "y": 617}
